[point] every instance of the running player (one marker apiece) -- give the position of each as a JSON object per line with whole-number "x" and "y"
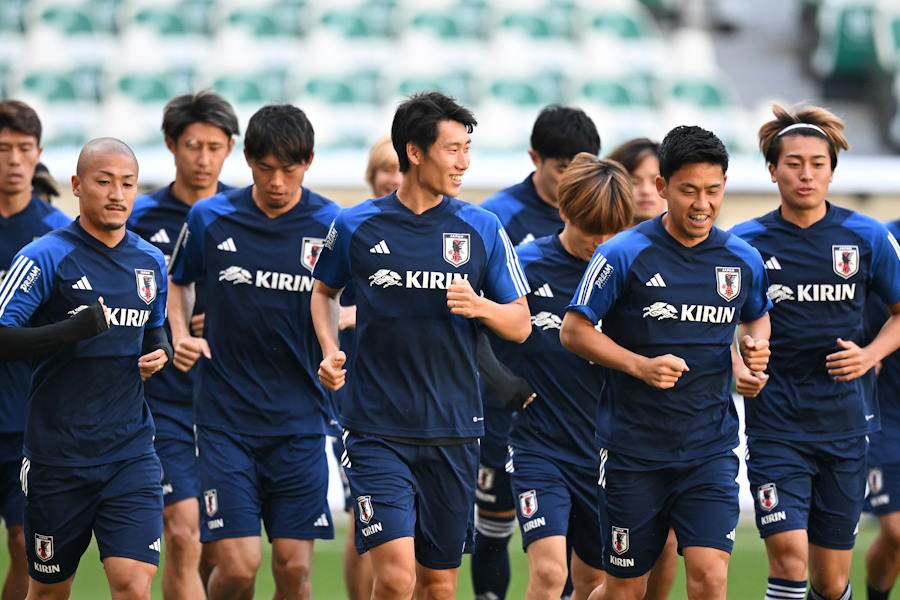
{"x": 417, "y": 259}
{"x": 670, "y": 292}
{"x": 199, "y": 130}
{"x": 527, "y": 210}
{"x": 23, "y": 218}
{"x": 90, "y": 466}
{"x": 806, "y": 430}
{"x": 554, "y": 459}
{"x": 261, "y": 414}
{"x": 640, "y": 157}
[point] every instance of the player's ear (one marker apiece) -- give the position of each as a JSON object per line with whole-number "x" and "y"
{"x": 230, "y": 147}
{"x": 771, "y": 168}
{"x": 661, "y": 186}
{"x": 76, "y": 186}
{"x": 170, "y": 144}
{"x": 535, "y": 157}
{"x": 247, "y": 158}
{"x": 308, "y": 163}
{"x": 413, "y": 153}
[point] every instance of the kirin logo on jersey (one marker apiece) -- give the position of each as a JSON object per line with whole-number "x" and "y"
{"x": 728, "y": 282}
{"x": 43, "y": 546}
{"x": 778, "y": 292}
{"x": 768, "y": 496}
{"x": 660, "y": 311}
{"x": 366, "y": 512}
{"x": 546, "y": 320}
{"x": 528, "y": 503}
{"x": 211, "y": 502}
{"x": 236, "y": 275}
{"x": 620, "y": 539}
{"x": 456, "y": 248}
{"x": 385, "y": 278}
{"x": 485, "y": 478}
{"x": 845, "y": 260}
{"x": 309, "y": 252}
{"x": 146, "y": 285}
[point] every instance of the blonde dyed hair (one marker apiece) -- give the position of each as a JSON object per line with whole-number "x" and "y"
{"x": 827, "y": 121}
{"x": 381, "y": 156}
{"x": 596, "y": 195}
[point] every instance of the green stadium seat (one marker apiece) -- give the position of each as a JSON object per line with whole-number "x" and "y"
{"x": 252, "y": 88}
{"x": 532, "y": 90}
{"x": 371, "y": 19}
{"x": 551, "y": 21}
{"x": 887, "y": 36}
{"x": 280, "y": 19}
{"x": 89, "y": 17}
{"x": 78, "y": 84}
{"x": 454, "y": 83}
{"x": 12, "y": 16}
{"x": 463, "y": 21}
{"x": 624, "y": 23}
{"x": 150, "y": 88}
{"x": 846, "y": 39}
{"x": 702, "y": 93}
{"x": 355, "y": 88}
{"x": 176, "y": 20}
{"x": 636, "y": 90}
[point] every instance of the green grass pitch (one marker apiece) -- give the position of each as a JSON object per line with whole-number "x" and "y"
{"x": 746, "y": 573}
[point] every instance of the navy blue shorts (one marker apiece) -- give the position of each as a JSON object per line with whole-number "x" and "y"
{"x": 175, "y": 446}
{"x": 884, "y": 489}
{"x": 816, "y": 486}
{"x": 558, "y": 498}
{"x": 337, "y": 449}
{"x": 120, "y": 502}
{"x": 12, "y": 500}
{"x": 699, "y": 500}
{"x": 494, "y": 492}
{"x": 282, "y": 480}
{"x": 423, "y": 492}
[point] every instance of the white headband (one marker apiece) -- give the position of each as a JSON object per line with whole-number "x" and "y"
{"x": 801, "y": 126}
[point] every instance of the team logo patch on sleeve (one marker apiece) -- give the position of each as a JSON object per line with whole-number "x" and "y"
{"x": 211, "y": 502}
{"x": 456, "y": 248}
{"x": 768, "y": 496}
{"x": 43, "y": 546}
{"x": 146, "y": 285}
{"x": 620, "y": 539}
{"x": 728, "y": 282}
{"x": 366, "y": 512}
{"x": 528, "y": 503}
{"x": 309, "y": 252}
{"x": 845, "y": 260}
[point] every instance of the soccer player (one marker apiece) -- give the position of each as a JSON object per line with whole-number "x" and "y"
{"x": 640, "y": 157}
{"x": 90, "y": 466}
{"x": 806, "y": 429}
{"x": 527, "y": 210}
{"x": 199, "y": 131}
{"x": 670, "y": 292}
{"x": 260, "y": 412}
{"x": 23, "y": 217}
{"x": 418, "y": 260}
{"x": 553, "y": 455}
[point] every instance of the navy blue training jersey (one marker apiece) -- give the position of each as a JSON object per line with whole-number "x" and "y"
{"x": 819, "y": 279}
{"x": 415, "y": 374}
{"x": 16, "y": 231}
{"x": 86, "y": 404}
{"x": 656, "y": 296}
{"x": 158, "y": 217}
{"x": 262, "y": 378}
{"x": 562, "y": 420}
{"x": 522, "y": 212}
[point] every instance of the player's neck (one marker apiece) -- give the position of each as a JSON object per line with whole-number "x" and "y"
{"x": 273, "y": 213}
{"x": 415, "y": 197}
{"x": 14, "y": 204}
{"x": 543, "y": 196}
{"x": 190, "y": 195}
{"x": 803, "y": 218}
{"x": 107, "y": 237}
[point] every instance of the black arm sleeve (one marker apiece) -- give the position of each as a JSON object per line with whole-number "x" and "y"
{"x": 510, "y": 390}
{"x": 156, "y": 339}
{"x": 23, "y": 343}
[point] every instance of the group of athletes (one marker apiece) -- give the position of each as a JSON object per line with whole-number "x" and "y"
{"x": 561, "y": 355}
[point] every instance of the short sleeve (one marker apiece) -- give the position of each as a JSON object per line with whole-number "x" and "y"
{"x": 885, "y": 270}
{"x": 28, "y": 283}
{"x": 187, "y": 260}
{"x": 757, "y": 303}
{"x": 602, "y": 283}
{"x": 504, "y": 280}
{"x": 333, "y": 266}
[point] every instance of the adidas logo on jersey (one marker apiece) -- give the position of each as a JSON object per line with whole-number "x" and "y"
{"x": 160, "y": 237}
{"x": 656, "y": 281}
{"x": 155, "y": 545}
{"x": 812, "y": 292}
{"x": 692, "y": 313}
{"x": 546, "y": 320}
{"x": 529, "y": 237}
{"x": 772, "y": 264}
{"x": 380, "y": 248}
{"x": 428, "y": 280}
{"x": 322, "y": 521}
{"x": 227, "y": 246}
{"x": 544, "y": 291}
{"x": 82, "y": 284}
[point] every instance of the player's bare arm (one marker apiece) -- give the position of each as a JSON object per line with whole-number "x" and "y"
{"x": 188, "y": 348}
{"x": 578, "y": 335}
{"x": 753, "y": 337}
{"x": 510, "y": 321}
{"x": 854, "y": 361}
{"x": 325, "y": 310}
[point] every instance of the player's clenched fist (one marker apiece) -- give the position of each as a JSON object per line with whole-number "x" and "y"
{"x": 332, "y": 373}
{"x": 188, "y": 351}
{"x": 151, "y": 363}
{"x": 462, "y": 299}
{"x": 663, "y": 371}
{"x": 850, "y": 362}
{"x": 749, "y": 383}
{"x": 755, "y": 353}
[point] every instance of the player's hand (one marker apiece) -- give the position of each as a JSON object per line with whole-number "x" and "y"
{"x": 105, "y": 310}
{"x": 529, "y": 400}
{"x": 849, "y": 363}
{"x": 347, "y": 318}
{"x": 188, "y": 351}
{"x": 332, "y": 373}
{"x": 197, "y": 323}
{"x": 152, "y": 363}
{"x": 755, "y": 353}
{"x": 749, "y": 383}
{"x": 462, "y": 299}
{"x": 663, "y": 371}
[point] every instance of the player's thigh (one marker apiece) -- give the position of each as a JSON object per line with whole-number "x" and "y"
{"x": 178, "y": 457}
{"x": 780, "y": 475}
{"x": 587, "y": 529}
{"x": 839, "y": 490}
{"x": 128, "y": 579}
{"x": 544, "y": 501}
{"x": 293, "y": 475}
{"x": 493, "y": 496}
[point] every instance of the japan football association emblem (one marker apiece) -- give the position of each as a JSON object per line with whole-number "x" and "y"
{"x": 728, "y": 282}
{"x": 768, "y": 496}
{"x": 211, "y": 502}
{"x": 528, "y": 503}
{"x": 43, "y": 546}
{"x": 620, "y": 541}
{"x": 456, "y": 248}
{"x": 485, "y": 478}
{"x": 146, "y": 285}
{"x": 365, "y": 510}
{"x": 309, "y": 252}
{"x": 845, "y": 260}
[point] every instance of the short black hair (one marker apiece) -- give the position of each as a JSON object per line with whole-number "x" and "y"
{"x": 416, "y": 121}
{"x": 202, "y": 107}
{"x": 281, "y": 130}
{"x": 687, "y": 145}
{"x": 18, "y": 116}
{"x": 563, "y": 132}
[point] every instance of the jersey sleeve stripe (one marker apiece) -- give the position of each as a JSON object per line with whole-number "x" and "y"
{"x": 179, "y": 242}
{"x": 17, "y": 273}
{"x": 587, "y": 284}
{"x": 512, "y": 264}
{"x": 894, "y": 244}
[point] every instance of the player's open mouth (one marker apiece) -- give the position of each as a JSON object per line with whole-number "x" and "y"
{"x": 457, "y": 179}
{"x": 698, "y": 220}
{"x": 115, "y": 207}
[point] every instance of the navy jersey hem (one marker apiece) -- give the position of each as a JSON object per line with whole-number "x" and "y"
{"x": 105, "y": 460}
{"x": 803, "y": 436}
{"x": 413, "y": 434}
{"x": 647, "y": 462}
{"x": 264, "y": 432}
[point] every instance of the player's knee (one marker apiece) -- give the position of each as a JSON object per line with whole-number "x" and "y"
{"x": 182, "y": 540}
{"x": 238, "y": 571}
{"x": 134, "y": 587}
{"x": 890, "y": 530}
{"x": 829, "y": 587}
{"x": 395, "y": 581}
{"x": 15, "y": 542}
{"x": 291, "y": 568}
{"x": 710, "y": 582}
{"x": 788, "y": 562}
{"x": 548, "y": 573}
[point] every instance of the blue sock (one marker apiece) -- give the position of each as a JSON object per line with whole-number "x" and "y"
{"x": 784, "y": 589}
{"x": 490, "y": 558}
